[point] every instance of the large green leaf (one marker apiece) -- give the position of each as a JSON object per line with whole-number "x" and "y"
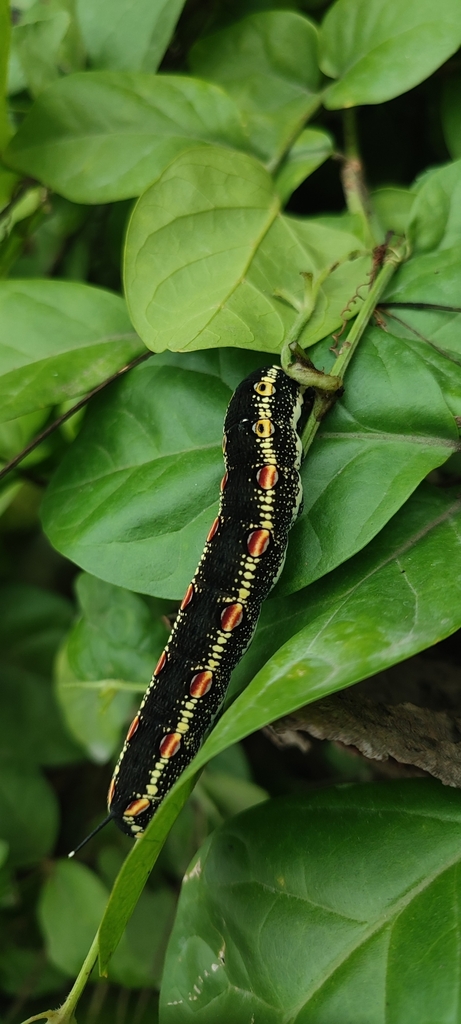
{"x": 58, "y": 340}
{"x": 392, "y": 427}
{"x": 341, "y": 906}
{"x": 123, "y": 36}
{"x": 32, "y": 625}
{"x": 107, "y": 660}
{"x": 100, "y": 136}
{"x": 435, "y": 221}
{"x": 268, "y": 63}
{"x": 207, "y": 252}
{"x": 434, "y": 334}
{"x": 381, "y": 48}
{"x": 120, "y": 503}
{"x": 386, "y": 605}
{"x": 138, "y": 525}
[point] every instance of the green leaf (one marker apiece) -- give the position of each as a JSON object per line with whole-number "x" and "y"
{"x": 119, "y": 503}
{"x": 32, "y": 625}
{"x": 268, "y": 63}
{"x": 8, "y": 182}
{"x": 95, "y": 711}
{"x": 123, "y": 36}
{"x": 72, "y": 902}
{"x": 135, "y": 871}
{"x": 137, "y": 523}
{"x": 100, "y": 136}
{"x": 107, "y": 660}
{"x": 311, "y": 908}
{"x": 435, "y": 335}
{"x": 138, "y": 960}
{"x": 385, "y": 606}
{"x": 5, "y": 30}
{"x": 451, "y": 115}
{"x": 389, "y": 431}
{"x": 116, "y": 637}
{"x": 391, "y": 209}
{"x": 38, "y": 40}
{"x": 58, "y": 340}
{"x": 312, "y": 147}
{"x": 71, "y": 905}
{"x": 207, "y": 253}
{"x": 381, "y": 48}
{"x": 29, "y": 814}
{"x": 435, "y": 221}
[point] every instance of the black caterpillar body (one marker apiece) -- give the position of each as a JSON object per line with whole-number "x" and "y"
{"x": 242, "y": 559}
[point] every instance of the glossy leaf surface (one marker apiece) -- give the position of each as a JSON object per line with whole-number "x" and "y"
{"x": 268, "y": 63}
{"x": 208, "y": 257}
{"x": 386, "y": 605}
{"x": 133, "y": 36}
{"x": 310, "y": 909}
{"x": 379, "y": 49}
{"x": 58, "y": 340}
{"x": 100, "y": 136}
{"x": 123, "y": 508}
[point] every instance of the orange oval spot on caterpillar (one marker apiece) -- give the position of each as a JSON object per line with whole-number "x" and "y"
{"x": 224, "y": 481}
{"x": 136, "y": 807}
{"x": 170, "y": 744}
{"x": 214, "y": 530}
{"x": 264, "y": 387}
{"x": 110, "y": 795}
{"x": 267, "y": 477}
{"x": 231, "y": 617}
{"x": 258, "y": 542}
{"x": 132, "y": 729}
{"x": 160, "y": 664}
{"x": 187, "y": 597}
{"x": 263, "y": 428}
{"x": 200, "y": 684}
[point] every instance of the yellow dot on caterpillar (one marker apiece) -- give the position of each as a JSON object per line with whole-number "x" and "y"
{"x": 188, "y": 714}
{"x": 190, "y": 704}
{"x": 248, "y": 575}
{"x": 182, "y": 727}
{"x": 136, "y": 828}
{"x": 151, "y": 790}
{"x": 244, "y": 594}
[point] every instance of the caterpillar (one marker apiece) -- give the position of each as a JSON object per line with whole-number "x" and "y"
{"x": 242, "y": 559}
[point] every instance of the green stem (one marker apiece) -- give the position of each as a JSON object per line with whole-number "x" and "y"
{"x": 323, "y": 401}
{"x": 65, "y": 1014}
{"x": 352, "y": 177}
{"x": 67, "y": 1009}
